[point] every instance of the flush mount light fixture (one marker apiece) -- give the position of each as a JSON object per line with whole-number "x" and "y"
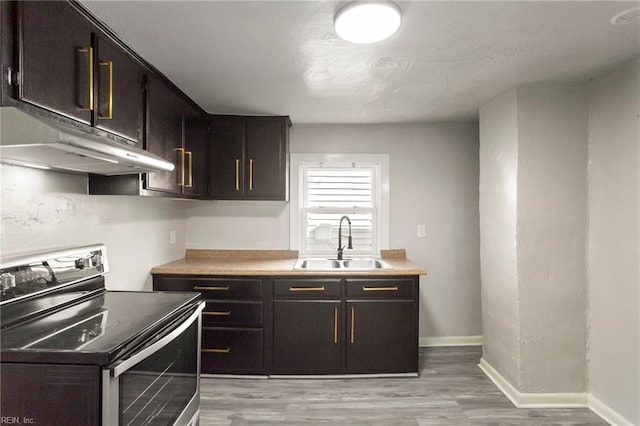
{"x": 627, "y": 17}
{"x": 365, "y": 22}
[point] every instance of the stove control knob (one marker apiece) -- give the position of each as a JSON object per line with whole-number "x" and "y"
{"x": 7, "y": 281}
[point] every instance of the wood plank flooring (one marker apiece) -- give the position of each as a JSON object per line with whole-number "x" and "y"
{"x": 451, "y": 390}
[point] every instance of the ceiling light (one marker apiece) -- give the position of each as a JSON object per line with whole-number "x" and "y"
{"x": 627, "y": 17}
{"x": 367, "y": 22}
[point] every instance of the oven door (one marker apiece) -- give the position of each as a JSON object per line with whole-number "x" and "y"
{"x": 160, "y": 383}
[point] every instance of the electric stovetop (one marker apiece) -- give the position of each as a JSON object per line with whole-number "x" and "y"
{"x": 96, "y": 330}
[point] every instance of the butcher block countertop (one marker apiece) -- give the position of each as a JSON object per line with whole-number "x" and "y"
{"x": 271, "y": 262}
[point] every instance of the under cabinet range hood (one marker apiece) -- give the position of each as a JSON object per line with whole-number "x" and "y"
{"x": 47, "y": 142}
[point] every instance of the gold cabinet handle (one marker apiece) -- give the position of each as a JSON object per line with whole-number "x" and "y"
{"x": 190, "y": 155}
{"x": 353, "y": 323}
{"x": 225, "y": 288}
{"x": 109, "y": 114}
{"x": 182, "y": 155}
{"x": 217, "y": 313}
{"x": 216, "y": 351}
{"x": 250, "y": 175}
{"x": 89, "y": 52}
{"x": 335, "y": 325}
{"x": 237, "y": 175}
{"x": 394, "y": 288}
{"x": 306, "y": 288}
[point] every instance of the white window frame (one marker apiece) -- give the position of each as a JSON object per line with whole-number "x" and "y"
{"x": 296, "y": 210}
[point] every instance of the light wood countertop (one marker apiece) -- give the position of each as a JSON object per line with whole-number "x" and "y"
{"x": 271, "y": 263}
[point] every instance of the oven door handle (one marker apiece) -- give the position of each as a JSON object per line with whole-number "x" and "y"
{"x": 126, "y": 364}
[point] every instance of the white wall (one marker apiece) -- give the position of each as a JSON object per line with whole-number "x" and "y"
{"x": 238, "y": 225}
{"x": 614, "y": 241}
{"x": 43, "y": 210}
{"x": 551, "y": 237}
{"x": 498, "y": 214}
{"x": 533, "y": 145}
{"x": 433, "y": 177}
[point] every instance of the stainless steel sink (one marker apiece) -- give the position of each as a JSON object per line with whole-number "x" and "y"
{"x": 317, "y": 264}
{"x": 358, "y": 264}
{"x": 365, "y": 264}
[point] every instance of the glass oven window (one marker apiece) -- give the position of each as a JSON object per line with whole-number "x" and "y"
{"x": 157, "y": 390}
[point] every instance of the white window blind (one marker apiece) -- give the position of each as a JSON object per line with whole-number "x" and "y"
{"x": 332, "y": 192}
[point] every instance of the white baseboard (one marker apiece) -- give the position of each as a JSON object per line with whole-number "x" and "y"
{"x": 607, "y": 413}
{"x": 425, "y": 342}
{"x": 552, "y": 400}
{"x": 532, "y": 400}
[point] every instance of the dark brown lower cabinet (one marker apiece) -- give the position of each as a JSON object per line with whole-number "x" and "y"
{"x": 235, "y": 329}
{"x": 50, "y": 394}
{"x": 232, "y": 350}
{"x": 307, "y": 337}
{"x": 381, "y": 337}
{"x": 363, "y": 325}
{"x": 322, "y": 325}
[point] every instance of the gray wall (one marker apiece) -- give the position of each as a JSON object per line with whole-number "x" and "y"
{"x": 434, "y": 180}
{"x": 533, "y": 152}
{"x": 614, "y": 241}
{"x": 498, "y": 214}
{"x": 42, "y": 210}
{"x": 551, "y": 237}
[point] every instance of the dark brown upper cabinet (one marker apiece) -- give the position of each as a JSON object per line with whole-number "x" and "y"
{"x": 56, "y": 59}
{"x": 250, "y": 158}
{"x": 69, "y": 66}
{"x": 164, "y": 134}
{"x": 178, "y": 132}
{"x": 195, "y": 154}
{"x": 119, "y": 93}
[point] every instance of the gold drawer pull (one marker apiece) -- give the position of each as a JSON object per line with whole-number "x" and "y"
{"x": 394, "y": 288}
{"x": 217, "y": 313}
{"x": 181, "y": 151}
{"x": 89, "y": 105}
{"x": 250, "y": 175}
{"x": 190, "y": 155}
{"x": 109, "y": 114}
{"x": 335, "y": 325}
{"x": 237, "y": 174}
{"x": 225, "y": 288}
{"x": 306, "y": 288}
{"x": 216, "y": 351}
{"x": 353, "y": 324}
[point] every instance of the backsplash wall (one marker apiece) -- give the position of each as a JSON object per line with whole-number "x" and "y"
{"x": 43, "y": 210}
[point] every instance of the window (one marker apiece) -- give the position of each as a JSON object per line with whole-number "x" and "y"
{"x": 330, "y": 190}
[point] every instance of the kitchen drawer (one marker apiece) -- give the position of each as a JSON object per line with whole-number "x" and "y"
{"x": 231, "y": 351}
{"x": 402, "y": 288}
{"x": 307, "y": 288}
{"x": 230, "y": 313}
{"x": 213, "y": 288}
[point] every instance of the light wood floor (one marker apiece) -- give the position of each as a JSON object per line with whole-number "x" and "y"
{"x": 451, "y": 390}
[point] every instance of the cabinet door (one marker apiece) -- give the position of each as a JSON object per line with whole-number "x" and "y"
{"x": 56, "y": 58}
{"x": 119, "y": 92}
{"x": 232, "y": 351}
{"x": 164, "y": 133}
{"x": 196, "y": 149}
{"x": 51, "y": 394}
{"x": 227, "y": 169}
{"x": 382, "y": 337}
{"x": 266, "y": 166}
{"x": 307, "y": 337}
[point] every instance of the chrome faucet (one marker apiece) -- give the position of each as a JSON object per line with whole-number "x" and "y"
{"x": 340, "y": 246}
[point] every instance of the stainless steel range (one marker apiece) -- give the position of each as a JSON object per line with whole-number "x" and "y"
{"x": 73, "y": 353}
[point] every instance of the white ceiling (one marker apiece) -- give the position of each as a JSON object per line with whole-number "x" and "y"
{"x": 447, "y": 59}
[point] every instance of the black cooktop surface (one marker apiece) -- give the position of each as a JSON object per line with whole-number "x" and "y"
{"x": 95, "y": 331}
